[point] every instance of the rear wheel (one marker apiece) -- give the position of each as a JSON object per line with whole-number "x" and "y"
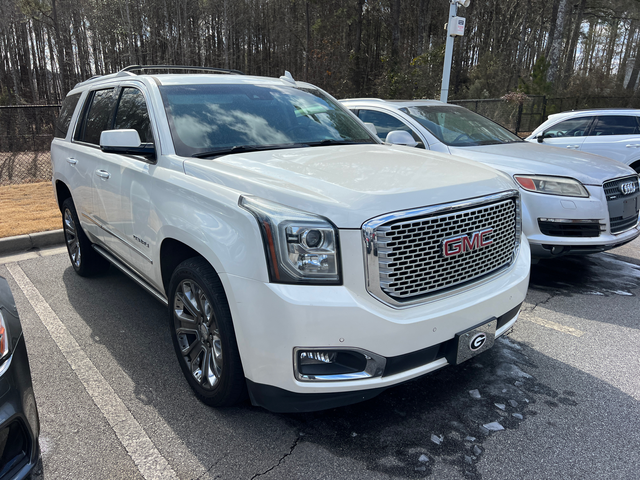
{"x": 203, "y": 334}
{"x": 84, "y": 259}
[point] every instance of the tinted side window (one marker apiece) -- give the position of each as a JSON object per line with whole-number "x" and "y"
{"x": 386, "y": 123}
{"x": 66, "y": 112}
{"x": 615, "y": 125}
{"x": 574, "y": 127}
{"x": 98, "y": 116}
{"x": 132, "y": 113}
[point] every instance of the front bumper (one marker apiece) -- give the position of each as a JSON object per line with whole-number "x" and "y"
{"x": 537, "y": 206}
{"x": 19, "y": 424}
{"x": 271, "y": 320}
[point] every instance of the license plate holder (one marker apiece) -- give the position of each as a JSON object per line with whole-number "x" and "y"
{"x": 471, "y": 342}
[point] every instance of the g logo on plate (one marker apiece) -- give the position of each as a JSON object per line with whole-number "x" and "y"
{"x": 477, "y": 341}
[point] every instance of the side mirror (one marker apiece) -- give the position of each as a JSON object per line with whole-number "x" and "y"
{"x": 540, "y": 138}
{"x": 400, "y": 137}
{"x": 371, "y": 127}
{"x": 125, "y": 142}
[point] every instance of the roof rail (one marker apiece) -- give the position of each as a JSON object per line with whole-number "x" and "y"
{"x": 133, "y": 68}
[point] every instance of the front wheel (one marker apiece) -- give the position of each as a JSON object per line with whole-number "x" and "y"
{"x": 203, "y": 334}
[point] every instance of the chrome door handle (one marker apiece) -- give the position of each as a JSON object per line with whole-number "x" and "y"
{"x": 103, "y": 174}
{"x": 71, "y": 161}
{"x": 633, "y": 145}
{"x": 573, "y": 146}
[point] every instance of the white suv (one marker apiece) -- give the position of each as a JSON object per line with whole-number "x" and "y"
{"x": 612, "y": 133}
{"x": 302, "y": 261}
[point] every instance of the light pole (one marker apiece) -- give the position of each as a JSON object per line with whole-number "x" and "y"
{"x": 455, "y": 27}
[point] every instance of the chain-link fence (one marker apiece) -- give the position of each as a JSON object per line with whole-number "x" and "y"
{"x": 26, "y": 132}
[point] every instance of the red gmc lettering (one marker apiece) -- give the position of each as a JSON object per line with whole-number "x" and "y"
{"x": 465, "y": 243}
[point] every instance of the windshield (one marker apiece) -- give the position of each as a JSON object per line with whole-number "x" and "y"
{"x": 218, "y": 118}
{"x": 459, "y": 127}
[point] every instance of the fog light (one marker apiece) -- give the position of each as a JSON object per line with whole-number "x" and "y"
{"x": 317, "y": 358}
{"x": 319, "y": 364}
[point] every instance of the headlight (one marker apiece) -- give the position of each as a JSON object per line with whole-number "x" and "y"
{"x": 4, "y": 339}
{"x": 300, "y": 247}
{"x": 568, "y": 187}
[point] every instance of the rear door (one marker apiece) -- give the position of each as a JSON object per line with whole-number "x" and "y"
{"x": 96, "y": 116}
{"x": 616, "y": 137}
{"x": 76, "y": 175}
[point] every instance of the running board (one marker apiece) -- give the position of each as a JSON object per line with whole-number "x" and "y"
{"x": 131, "y": 274}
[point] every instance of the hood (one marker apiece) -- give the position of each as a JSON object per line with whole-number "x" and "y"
{"x": 533, "y": 158}
{"x": 353, "y": 183}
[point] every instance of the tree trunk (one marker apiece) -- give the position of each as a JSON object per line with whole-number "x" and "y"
{"x": 556, "y": 46}
{"x": 573, "y": 44}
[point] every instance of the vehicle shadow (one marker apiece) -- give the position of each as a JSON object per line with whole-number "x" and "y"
{"x": 424, "y": 427}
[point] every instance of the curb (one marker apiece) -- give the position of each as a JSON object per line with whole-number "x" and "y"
{"x": 33, "y": 240}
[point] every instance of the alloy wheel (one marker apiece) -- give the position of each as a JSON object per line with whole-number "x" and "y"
{"x": 198, "y": 333}
{"x": 71, "y": 237}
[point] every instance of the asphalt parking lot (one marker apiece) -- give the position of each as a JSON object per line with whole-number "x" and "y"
{"x": 558, "y": 398}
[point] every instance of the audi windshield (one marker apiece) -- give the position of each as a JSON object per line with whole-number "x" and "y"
{"x": 212, "y": 120}
{"x": 459, "y": 127}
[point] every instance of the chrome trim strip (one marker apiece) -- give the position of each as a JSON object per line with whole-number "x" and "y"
{"x": 99, "y": 222}
{"x": 369, "y": 239}
{"x": 374, "y": 367}
{"x": 131, "y": 274}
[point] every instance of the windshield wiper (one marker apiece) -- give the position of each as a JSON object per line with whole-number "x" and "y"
{"x": 330, "y": 141}
{"x": 246, "y": 148}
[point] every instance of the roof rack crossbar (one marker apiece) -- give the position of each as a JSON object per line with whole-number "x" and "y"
{"x": 131, "y": 68}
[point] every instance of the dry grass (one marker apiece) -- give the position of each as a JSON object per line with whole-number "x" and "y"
{"x": 28, "y": 208}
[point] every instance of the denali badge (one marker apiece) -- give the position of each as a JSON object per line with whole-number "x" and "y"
{"x": 627, "y": 188}
{"x": 477, "y": 341}
{"x": 465, "y": 243}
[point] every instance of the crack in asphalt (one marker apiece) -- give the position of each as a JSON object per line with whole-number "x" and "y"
{"x": 295, "y": 444}
{"x": 542, "y": 302}
{"x": 215, "y": 464}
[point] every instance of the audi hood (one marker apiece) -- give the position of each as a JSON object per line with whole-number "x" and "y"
{"x": 536, "y": 159}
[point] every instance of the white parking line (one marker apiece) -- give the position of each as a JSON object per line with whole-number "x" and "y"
{"x": 555, "y": 326}
{"x": 151, "y": 464}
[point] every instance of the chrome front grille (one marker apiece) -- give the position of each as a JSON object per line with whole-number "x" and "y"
{"x": 623, "y": 207}
{"x": 406, "y": 263}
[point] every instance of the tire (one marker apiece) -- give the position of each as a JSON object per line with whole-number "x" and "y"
{"x": 84, "y": 259}
{"x": 203, "y": 335}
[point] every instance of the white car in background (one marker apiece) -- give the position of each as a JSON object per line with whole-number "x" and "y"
{"x": 573, "y": 202}
{"x": 613, "y": 133}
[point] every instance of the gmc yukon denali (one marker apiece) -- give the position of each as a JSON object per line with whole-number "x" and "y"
{"x": 304, "y": 264}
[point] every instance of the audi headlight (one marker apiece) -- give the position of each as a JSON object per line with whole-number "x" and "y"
{"x": 300, "y": 247}
{"x": 568, "y": 187}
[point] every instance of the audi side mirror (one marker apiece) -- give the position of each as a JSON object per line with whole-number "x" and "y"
{"x": 400, "y": 137}
{"x": 540, "y": 138}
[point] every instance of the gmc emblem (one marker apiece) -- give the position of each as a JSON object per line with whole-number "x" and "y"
{"x": 465, "y": 243}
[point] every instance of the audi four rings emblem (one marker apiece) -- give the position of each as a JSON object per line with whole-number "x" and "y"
{"x": 627, "y": 188}
{"x": 477, "y": 341}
